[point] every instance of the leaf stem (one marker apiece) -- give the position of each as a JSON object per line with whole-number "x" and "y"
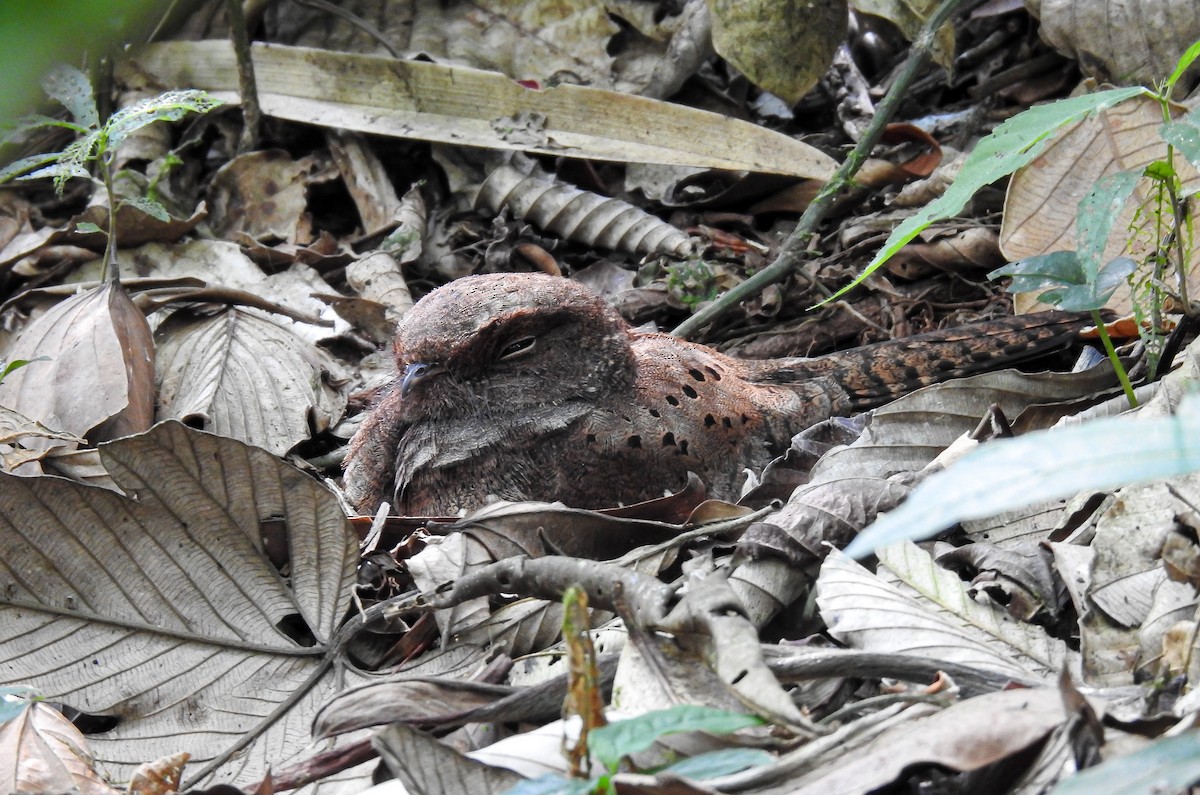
{"x": 1122, "y": 376}
{"x": 110, "y": 270}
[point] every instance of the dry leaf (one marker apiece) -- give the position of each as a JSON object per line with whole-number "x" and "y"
{"x": 1043, "y": 198}
{"x": 783, "y": 47}
{"x": 160, "y": 777}
{"x": 242, "y": 375}
{"x": 42, "y": 751}
{"x": 264, "y": 196}
{"x": 1126, "y": 42}
{"x": 169, "y": 611}
{"x": 99, "y": 380}
{"x": 467, "y": 107}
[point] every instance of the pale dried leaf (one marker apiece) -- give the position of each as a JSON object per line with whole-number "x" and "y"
{"x": 15, "y": 425}
{"x": 219, "y": 264}
{"x": 1121, "y": 41}
{"x": 42, "y": 751}
{"x": 427, "y": 766}
{"x": 508, "y": 529}
{"x": 367, "y": 180}
{"x": 923, "y": 609}
{"x": 99, "y": 351}
{"x": 467, "y": 107}
{"x": 377, "y": 277}
{"x": 407, "y": 699}
{"x": 160, "y": 777}
{"x": 242, "y": 375}
{"x": 173, "y": 600}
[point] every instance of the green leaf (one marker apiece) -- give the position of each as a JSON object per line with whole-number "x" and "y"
{"x": 59, "y": 171}
{"x": 150, "y": 207}
{"x": 36, "y": 122}
{"x": 1187, "y": 59}
{"x": 18, "y": 167}
{"x": 1013, "y": 144}
{"x": 87, "y": 227}
{"x": 1058, "y": 268}
{"x": 17, "y": 364}
{"x": 551, "y": 784}
{"x": 720, "y": 763}
{"x": 1167, "y": 765}
{"x": 1160, "y": 170}
{"x": 1011, "y": 473}
{"x": 171, "y": 106}
{"x": 72, "y": 158}
{"x": 612, "y": 743}
{"x": 1098, "y": 211}
{"x": 73, "y": 90}
{"x": 1093, "y": 294}
{"x": 1184, "y": 135}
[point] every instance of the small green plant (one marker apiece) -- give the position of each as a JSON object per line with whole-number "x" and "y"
{"x": 692, "y": 282}
{"x": 1079, "y": 280}
{"x": 98, "y": 142}
{"x": 613, "y": 743}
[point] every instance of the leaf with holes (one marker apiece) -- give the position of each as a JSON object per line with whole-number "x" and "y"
{"x": 198, "y": 612}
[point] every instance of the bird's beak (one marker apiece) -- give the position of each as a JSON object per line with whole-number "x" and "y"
{"x": 414, "y": 373}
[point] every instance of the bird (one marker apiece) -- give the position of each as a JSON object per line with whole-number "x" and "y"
{"x": 532, "y": 387}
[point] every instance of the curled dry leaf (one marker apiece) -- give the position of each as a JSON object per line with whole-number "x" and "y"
{"x": 912, "y": 606}
{"x": 42, "y": 751}
{"x": 244, "y": 376}
{"x": 580, "y": 216}
{"x": 99, "y": 380}
{"x": 366, "y": 179}
{"x": 424, "y": 764}
{"x": 967, "y": 736}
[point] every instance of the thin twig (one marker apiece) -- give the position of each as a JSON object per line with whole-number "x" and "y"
{"x": 795, "y": 247}
{"x": 248, "y": 87}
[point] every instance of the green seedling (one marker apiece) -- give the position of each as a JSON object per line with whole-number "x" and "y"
{"x": 613, "y": 743}
{"x": 97, "y": 142}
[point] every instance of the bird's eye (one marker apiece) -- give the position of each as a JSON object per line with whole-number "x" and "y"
{"x": 518, "y": 347}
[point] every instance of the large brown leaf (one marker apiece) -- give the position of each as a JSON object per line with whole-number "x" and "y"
{"x": 99, "y": 379}
{"x": 171, "y": 611}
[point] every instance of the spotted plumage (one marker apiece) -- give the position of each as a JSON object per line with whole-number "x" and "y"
{"x": 524, "y": 386}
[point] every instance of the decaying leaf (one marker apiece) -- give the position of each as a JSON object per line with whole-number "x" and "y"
{"x": 241, "y": 375}
{"x": 42, "y": 751}
{"x": 99, "y": 380}
{"x": 434, "y": 102}
{"x": 783, "y": 47}
{"x": 174, "y": 602}
{"x": 1120, "y": 41}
